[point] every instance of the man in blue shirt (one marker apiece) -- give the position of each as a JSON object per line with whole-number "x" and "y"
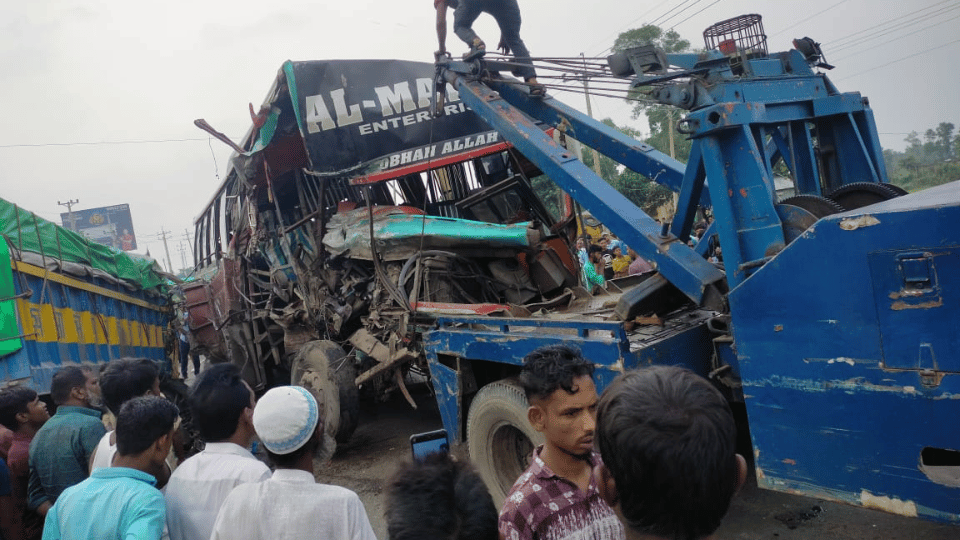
{"x": 60, "y": 451}
{"x": 121, "y": 502}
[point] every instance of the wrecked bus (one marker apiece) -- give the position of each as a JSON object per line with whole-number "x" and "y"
{"x": 293, "y": 289}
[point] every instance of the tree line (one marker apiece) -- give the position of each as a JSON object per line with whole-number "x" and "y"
{"x": 929, "y": 162}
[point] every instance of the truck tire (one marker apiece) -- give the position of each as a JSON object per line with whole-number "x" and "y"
{"x": 323, "y": 368}
{"x": 499, "y": 436}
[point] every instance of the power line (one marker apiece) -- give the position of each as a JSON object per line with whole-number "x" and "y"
{"x": 891, "y": 62}
{"x": 917, "y": 31}
{"x": 663, "y": 18}
{"x": 98, "y": 143}
{"x": 694, "y": 15}
{"x": 884, "y": 23}
{"x": 798, "y": 23}
{"x": 624, "y": 27}
{"x": 908, "y": 23}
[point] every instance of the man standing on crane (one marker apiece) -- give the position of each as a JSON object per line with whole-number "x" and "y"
{"x": 507, "y": 15}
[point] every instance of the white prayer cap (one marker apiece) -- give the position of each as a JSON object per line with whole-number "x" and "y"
{"x": 285, "y": 418}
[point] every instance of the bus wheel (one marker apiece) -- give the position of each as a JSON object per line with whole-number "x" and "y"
{"x": 325, "y": 370}
{"x": 499, "y": 436}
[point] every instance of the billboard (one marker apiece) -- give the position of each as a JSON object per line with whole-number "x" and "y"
{"x": 107, "y": 225}
{"x": 373, "y": 118}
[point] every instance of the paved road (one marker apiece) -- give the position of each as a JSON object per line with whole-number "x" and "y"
{"x": 366, "y": 463}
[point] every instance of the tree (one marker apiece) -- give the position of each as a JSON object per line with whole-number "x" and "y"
{"x": 928, "y": 163}
{"x": 670, "y": 41}
{"x": 662, "y": 118}
{"x": 913, "y": 141}
{"x": 641, "y": 191}
{"x": 945, "y": 140}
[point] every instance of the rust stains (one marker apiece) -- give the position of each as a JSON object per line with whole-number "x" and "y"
{"x": 789, "y": 461}
{"x": 900, "y": 305}
{"x": 888, "y": 504}
{"x": 853, "y": 224}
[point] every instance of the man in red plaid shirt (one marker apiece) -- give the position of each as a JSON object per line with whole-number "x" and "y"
{"x": 557, "y": 497}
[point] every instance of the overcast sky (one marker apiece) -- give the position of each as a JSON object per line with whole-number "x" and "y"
{"x": 99, "y": 96}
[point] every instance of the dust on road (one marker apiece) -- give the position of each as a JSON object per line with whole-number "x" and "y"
{"x": 366, "y": 463}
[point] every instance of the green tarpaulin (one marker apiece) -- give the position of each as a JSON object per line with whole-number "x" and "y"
{"x": 9, "y": 330}
{"x": 26, "y": 232}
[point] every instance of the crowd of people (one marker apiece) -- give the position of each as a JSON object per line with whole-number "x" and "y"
{"x": 651, "y": 457}
{"x": 607, "y": 259}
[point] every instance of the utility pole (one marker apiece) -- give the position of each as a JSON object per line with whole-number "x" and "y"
{"x": 673, "y": 152}
{"x": 163, "y": 234}
{"x": 183, "y": 254}
{"x": 586, "y": 94}
{"x": 187, "y": 237}
{"x": 69, "y": 204}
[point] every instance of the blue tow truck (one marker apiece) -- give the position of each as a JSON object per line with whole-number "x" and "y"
{"x": 342, "y": 253}
{"x": 838, "y": 330}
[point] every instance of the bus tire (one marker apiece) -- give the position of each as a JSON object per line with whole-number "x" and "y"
{"x": 325, "y": 370}
{"x": 499, "y": 436}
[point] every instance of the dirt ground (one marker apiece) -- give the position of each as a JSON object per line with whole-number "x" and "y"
{"x": 366, "y": 463}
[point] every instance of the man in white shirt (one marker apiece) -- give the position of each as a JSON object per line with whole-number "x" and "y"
{"x": 222, "y": 406}
{"x": 122, "y": 380}
{"x": 291, "y": 505}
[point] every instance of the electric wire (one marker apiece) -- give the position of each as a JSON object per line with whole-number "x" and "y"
{"x": 901, "y": 59}
{"x": 798, "y": 23}
{"x": 663, "y": 18}
{"x": 908, "y": 23}
{"x": 695, "y": 14}
{"x": 840, "y": 40}
{"x": 99, "y": 143}
{"x": 917, "y": 31}
{"x": 623, "y": 28}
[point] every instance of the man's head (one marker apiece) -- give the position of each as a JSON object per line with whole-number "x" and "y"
{"x": 595, "y": 253}
{"x": 287, "y": 419}
{"x": 222, "y": 404}
{"x": 667, "y": 438}
{"x": 20, "y": 406}
{"x": 145, "y": 428}
{"x": 127, "y": 378}
{"x": 460, "y": 507}
{"x": 75, "y": 386}
{"x": 617, "y": 252}
{"x": 605, "y": 242}
{"x": 558, "y": 383}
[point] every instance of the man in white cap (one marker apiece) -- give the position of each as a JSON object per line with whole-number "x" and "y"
{"x": 291, "y": 504}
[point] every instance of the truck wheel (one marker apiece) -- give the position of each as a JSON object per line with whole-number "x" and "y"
{"x": 499, "y": 436}
{"x": 323, "y": 368}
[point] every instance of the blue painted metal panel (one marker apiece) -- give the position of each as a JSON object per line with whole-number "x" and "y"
{"x": 849, "y": 372}
{"x": 42, "y": 355}
{"x": 685, "y": 341}
{"x": 446, "y": 385}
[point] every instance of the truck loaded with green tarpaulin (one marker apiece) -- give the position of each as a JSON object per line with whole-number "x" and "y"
{"x": 66, "y": 300}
